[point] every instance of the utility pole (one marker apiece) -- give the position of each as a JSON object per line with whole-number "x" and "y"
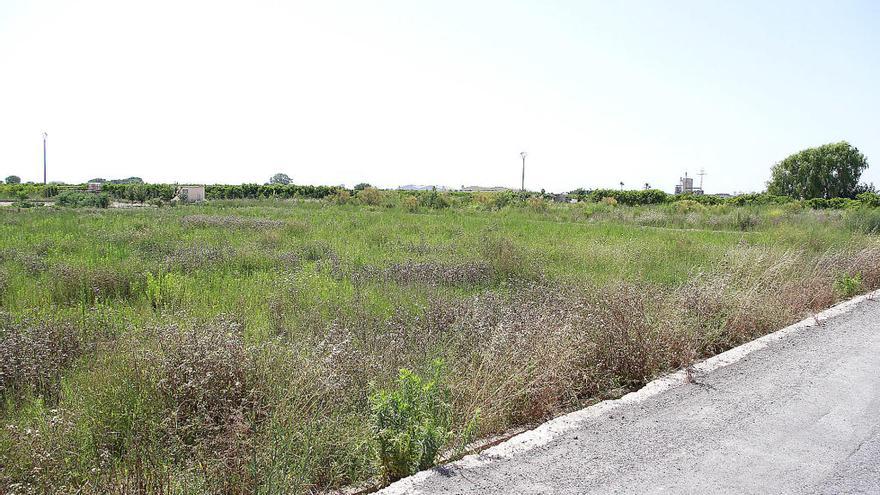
{"x": 523, "y": 184}
{"x": 45, "y": 135}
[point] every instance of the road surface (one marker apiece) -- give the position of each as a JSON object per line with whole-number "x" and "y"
{"x": 800, "y": 415}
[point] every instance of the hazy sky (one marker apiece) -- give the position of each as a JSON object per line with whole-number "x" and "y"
{"x": 444, "y": 92}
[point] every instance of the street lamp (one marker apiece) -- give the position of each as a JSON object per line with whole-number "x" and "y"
{"x": 523, "y": 154}
{"x": 45, "y": 136}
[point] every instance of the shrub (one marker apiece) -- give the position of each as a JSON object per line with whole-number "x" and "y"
{"x": 744, "y": 220}
{"x": 869, "y": 199}
{"x": 340, "y": 197}
{"x": 537, "y": 203}
{"x": 759, "y": 199}
{"x": 848, "y": 285}
{"x": 630, "y": 198}
{"x": 608, "y": 200}
{"x": 435, "y": 200}
{"x": 410, "y": 203}
{"x": 412, "y": 422}
{"x": 21, "y": 200}
{"x": 205, "y": 378}
{"x": 370, "y": 196}
{"x": 74, "y": 199}
{"x": 484, "y": 199}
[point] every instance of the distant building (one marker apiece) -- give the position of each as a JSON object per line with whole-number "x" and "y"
{"x": 413, "y": 187}
{"x": 94, "y": 187}
{"x": 686, "y": 186}
{"x": 191, "y": 194}
{"x": 484, "y": 189}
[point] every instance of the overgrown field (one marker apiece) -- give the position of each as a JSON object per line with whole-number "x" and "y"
{"x": 287, "y": 346}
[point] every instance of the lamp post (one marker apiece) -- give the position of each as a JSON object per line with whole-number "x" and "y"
{"x": 523, "y": 154}
{"x": 45, "y": 136}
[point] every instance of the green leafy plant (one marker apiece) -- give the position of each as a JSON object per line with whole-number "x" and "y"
{"x": 163, "y": 289}
{"x": 21, "y": 200}
{"x": 848, "y": 285}
{"x": 75, "y": 199}
{"x": 412, "y": 422}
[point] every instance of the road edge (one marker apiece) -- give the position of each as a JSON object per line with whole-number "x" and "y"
{"x": 552, "y": 429}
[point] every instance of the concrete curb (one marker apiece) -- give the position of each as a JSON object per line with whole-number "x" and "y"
{"x": 547, "y": 432}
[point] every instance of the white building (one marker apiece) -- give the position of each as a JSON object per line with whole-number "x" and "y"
{"x": 191, "y": 194}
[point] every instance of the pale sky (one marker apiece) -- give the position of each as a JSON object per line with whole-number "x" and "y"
{"x": 446, "y": 92}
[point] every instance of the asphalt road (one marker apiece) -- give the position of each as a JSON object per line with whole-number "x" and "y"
{"x": 800, "y": 415}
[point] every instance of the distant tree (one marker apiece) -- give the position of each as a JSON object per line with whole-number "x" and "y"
{"x": 280, "y": 179}
{"x": 130, "y": 180}
{"x": 13, "y": 179}
{"x": 621, "y": 185}
{"x": 361, "y": 186}
{"x": 97, "y": 180}
{"x": 829, "y": 171}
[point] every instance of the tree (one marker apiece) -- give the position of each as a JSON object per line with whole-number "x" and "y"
{"x": 829, "y": 171}
{"x": 13, "y": 179}
{"x": 361, "y": 186}
{"x": 280, "y": 179}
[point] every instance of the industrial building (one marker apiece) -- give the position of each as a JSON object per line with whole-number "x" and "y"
{"x": 686, "y": 185}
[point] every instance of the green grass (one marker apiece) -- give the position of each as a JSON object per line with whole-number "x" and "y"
{"x": 283, "y": 318}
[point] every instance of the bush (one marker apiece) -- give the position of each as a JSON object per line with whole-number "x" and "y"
{"x": 630, "y": 198}
{"x": 253, "y": 191}
{"x": 848, "y": 285}
{"x": 435, "y": 200}
{"x": 758, "y": 199}
{"x": 410, "y": 203}
{"x": 412, "y": 422}
{"x": 73, "y": 199}
{"x": 745, "y": 220}
{"x": 370, "y": 196}
{"x": 340, "y": 197}
{"x": 21, "y": 200}
{"x": 537, "y": 203}
{"x": 869, "y": 199}
{"x": 206, "y": 378}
